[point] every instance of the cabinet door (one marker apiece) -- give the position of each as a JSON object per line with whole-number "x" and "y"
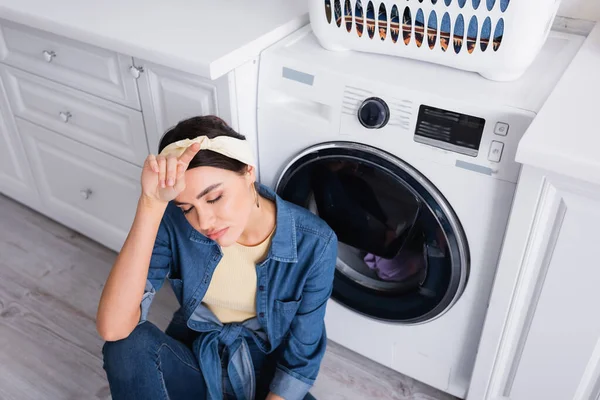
{"x": 542, "y": 334}
{"x": 81, "y": 187}
{"x": 15, "y": 176}
{"x": 168, "y": 96}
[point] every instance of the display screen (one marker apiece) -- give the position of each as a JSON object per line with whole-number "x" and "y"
{"x": 449, "y": 130}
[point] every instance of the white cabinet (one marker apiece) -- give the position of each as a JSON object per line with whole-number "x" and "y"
{"x": 168, "y": 96}
{"x": 542, "y": 335}
{"x": 15, "y": 175}
{"x": 82, "y": 187}
{"x": 541, "y": 338}
{"x": 99, "y": 123}
{"x": 77, "y": 122}
{"x": 76, "y": 64}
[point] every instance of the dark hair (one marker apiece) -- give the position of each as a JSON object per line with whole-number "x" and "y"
{"x": 210, "y": 126}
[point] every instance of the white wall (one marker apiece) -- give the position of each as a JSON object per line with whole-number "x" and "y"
{"x": 582, "y": 9}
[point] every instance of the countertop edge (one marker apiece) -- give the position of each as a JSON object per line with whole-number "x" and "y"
{"x": 213, "y": 70}
{"x": 563, "y": 136}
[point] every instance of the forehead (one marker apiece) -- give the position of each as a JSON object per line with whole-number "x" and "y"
{"x": 206, "y": 175}
{"x": 199, "y": 178}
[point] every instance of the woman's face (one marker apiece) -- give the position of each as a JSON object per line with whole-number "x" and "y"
{"x": 217, "y": 202}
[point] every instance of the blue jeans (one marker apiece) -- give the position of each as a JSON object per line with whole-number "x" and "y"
{"x": 149, "y": 364}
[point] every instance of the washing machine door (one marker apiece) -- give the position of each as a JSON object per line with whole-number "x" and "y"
{"x": 402, "y": 255}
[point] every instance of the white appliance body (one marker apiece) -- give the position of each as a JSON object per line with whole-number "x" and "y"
{"x": 309, "y": 96}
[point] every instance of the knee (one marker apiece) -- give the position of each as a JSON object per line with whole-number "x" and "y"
{"x": 137, "y": 348}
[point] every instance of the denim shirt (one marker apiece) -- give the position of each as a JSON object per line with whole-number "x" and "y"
{"x": 294, "y": 283}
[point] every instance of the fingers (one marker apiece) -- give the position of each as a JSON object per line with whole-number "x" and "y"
{"x": 181, "y": 168}
{"x": 180, "y": 180}
{"x": 162, "y": 170}
{"x": 168, "y": 169}
{"x": 189, "y": 154}
{"x": 151, "y": 161}
{"x": 171, "y": 170}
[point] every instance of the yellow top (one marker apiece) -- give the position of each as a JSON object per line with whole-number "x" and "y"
{"x": 231, "y": 294}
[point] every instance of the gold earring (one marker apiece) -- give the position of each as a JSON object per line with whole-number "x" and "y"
{"x": 256, "y": 196}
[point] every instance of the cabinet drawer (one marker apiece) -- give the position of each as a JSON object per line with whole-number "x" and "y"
{"x": 94, "y": 70}
{"x": 102, "y": 124}
{"x": 81, "y": 187}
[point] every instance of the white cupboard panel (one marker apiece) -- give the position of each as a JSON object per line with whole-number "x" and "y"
{"x": 102, "y": 124}
{"x": 92, "y": 69}
{"x": 81, "y": 187}
{"x": 169, "y": 96}
{"x": 16, "y": 180}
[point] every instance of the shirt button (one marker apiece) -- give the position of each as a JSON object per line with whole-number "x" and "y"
{"x": 261, "y": 288}
{"x": 262, "y": 314}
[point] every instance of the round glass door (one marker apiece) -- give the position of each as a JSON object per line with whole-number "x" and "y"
{"x": 402, "y": 253}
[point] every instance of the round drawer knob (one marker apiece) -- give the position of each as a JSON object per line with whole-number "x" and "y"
{"x": 86, "y": 193}
{"x": 49, "y": 55}
{"x": 136, "y": 71}
{"x": 373, "y": 113}
{"x": 65, "y": 116}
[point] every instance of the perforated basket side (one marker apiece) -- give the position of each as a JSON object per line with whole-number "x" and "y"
{"x": 493, "y": 37}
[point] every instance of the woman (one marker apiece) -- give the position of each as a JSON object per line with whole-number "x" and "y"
{"x": 251, "y": 272}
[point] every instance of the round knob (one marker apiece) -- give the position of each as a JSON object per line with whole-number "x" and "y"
{"x": 373, "y": 113}
{"x": 85, "y": 193}
{"x": 49, "y": 55}
{"x": 136, "y": 71}
{"x": 65, "y": 116}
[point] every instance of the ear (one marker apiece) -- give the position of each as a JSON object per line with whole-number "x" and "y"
{"x": 251, "y": 174}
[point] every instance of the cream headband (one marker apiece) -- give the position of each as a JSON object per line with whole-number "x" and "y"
{"x": 228, "y": 146}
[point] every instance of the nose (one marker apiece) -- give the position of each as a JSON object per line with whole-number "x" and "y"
{"x": 206, "y": 220}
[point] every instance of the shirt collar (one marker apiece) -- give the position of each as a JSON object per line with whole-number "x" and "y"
{"x": 283, "y": 243}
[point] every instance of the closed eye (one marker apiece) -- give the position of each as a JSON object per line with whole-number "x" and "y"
{"x": 208, "y": 201}
{"x": 214, "y": 200}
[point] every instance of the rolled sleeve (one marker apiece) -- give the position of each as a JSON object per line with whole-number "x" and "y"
{"x": 289, "y": 385}
{"x": 305, "y": 346}
{"x": 160, "y": 266}
{"x": 147, "y": 298}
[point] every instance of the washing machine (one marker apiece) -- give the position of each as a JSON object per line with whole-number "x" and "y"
{"x": 413, "y": 165}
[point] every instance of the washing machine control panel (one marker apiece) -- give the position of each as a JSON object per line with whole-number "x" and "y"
{"x": 449, "y": 130}
{"x": 373, "y": 113}
{"x": 478, "y": 137}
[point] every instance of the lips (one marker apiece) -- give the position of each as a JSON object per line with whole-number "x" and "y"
{"x": 214, "y": 235}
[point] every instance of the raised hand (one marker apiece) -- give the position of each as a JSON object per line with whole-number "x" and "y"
{"x": 163, "y": 178}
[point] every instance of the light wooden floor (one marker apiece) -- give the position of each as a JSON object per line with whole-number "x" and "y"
{"x": 50, "y": 284}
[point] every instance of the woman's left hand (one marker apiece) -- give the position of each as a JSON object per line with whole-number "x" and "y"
{"x": 273, "y": 396}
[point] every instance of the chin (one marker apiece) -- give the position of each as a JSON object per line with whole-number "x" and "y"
{"x": 224, "y": 242}
{"x": 228, "y": 239}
